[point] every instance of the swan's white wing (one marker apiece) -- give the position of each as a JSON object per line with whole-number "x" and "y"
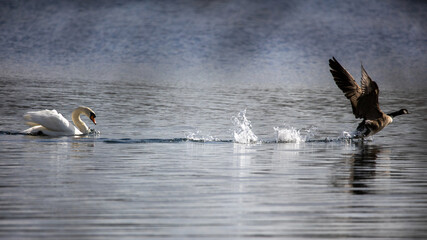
{"x": 51, "y": 120}
{"x": 39, "y": 129}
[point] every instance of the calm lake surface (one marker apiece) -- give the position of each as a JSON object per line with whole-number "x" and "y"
{"x": 166, "y": 164}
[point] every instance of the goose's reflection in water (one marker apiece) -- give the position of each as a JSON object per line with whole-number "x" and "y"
{"x": 363, "y": 168}
{"x": 357, "y": 173}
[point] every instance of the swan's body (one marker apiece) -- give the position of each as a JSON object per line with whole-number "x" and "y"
{"x": 52, "y": 123}
{"x": 364, "y": 100}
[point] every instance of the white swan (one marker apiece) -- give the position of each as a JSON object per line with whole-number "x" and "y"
{"x": 52, "y": 123}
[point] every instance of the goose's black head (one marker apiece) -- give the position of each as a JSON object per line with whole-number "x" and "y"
{"x": 400, "y": 112}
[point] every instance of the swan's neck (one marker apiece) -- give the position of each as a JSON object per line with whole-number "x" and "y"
{"x": 75, "y": 116}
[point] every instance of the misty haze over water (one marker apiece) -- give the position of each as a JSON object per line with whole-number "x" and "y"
{"x": 256, "y": 41}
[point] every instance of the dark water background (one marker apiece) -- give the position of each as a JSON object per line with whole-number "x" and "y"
{"x": 166, "y": 79}
{"x": 140, "y": 178}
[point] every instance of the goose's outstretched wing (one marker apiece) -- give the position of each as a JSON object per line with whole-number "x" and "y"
{"x": 364, "y": 100}
{"x": 347, "y": 84}
{"x": 368, "y": 105}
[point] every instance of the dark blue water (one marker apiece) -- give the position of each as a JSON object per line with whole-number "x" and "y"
{"x": 167, "y": 165}
{"x": 215, "y": 120}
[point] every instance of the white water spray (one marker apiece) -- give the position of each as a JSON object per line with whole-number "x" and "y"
{"x": 243, "y": 129}
{"x": 289, "y": 134}
{"x": 198, "y": 136}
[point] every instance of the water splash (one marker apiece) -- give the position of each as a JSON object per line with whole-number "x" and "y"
{"x": 94, "y": 132}
{"x": 289, "y": 134}
{"x": 354, "y": 136}
{"x": 243, "y": 129}
{"x": 198, "y": 136}
{"x": 349, "y": 136}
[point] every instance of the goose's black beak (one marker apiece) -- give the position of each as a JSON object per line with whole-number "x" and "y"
{"x": 92, "y": 117}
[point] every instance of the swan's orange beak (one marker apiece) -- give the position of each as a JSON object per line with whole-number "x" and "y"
{"x": 92, "y": 117}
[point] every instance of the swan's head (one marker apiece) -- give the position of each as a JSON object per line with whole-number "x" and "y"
{"x": 88, "y": 112}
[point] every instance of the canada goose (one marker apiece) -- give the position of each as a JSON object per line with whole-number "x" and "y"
{"x": 364, "y": 100}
